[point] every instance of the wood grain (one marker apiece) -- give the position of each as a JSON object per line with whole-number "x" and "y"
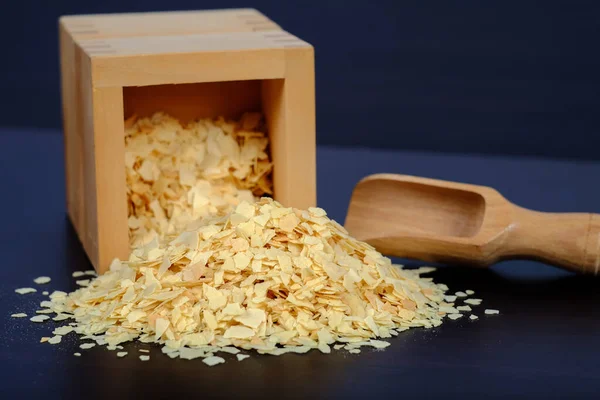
{"x": 166, "y": 23}
{"x": 442, "y": 221}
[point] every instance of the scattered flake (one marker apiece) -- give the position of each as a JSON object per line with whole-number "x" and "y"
{"x": 83, "y": 282}
{"x": 460, "y": 294}
{"x": 473, "y": 316}
{"x": 490, "y": 311}
{"x": 63, "y": 330}
{"x": 55, "y": 339}
{"x": 25, "y": 290}
{"x": 145, "y": 358}
{"x": 230, "y": 350}
{"x": 61, "y": 317}
{"x": 212, "y": 361}
{"x": 44, "y": 339}
{"x": 78, "y": 274}
{"x": 144, "y": 351}
{"x": 39, "y": 318}
{"x": 19, "y": 315}
{"x": 469, "y": 292}
{"x": 86, "y": 346}
{"x": 190, "y": 354}
{"x": 379, "y": 344}
{"x": 464, "y": 308}
{"x": 473, "y": 302}
{"x": 354, "y": 351}
{"x": 77, "y": 354}
{"x": 241, "y": 357}
{"x": 44, "y": 311}
{"x": 45, "y": 293}
{"x": 454, "y": 316}
{"x": 58, "y": 294}
{"x": 121, "y": 354}
{"x": 90, "y": 272}
{"x": 449, "y": 299}
{"x": 42, "y": 280}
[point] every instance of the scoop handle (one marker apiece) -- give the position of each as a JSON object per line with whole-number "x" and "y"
{"x": 571, "y": 240}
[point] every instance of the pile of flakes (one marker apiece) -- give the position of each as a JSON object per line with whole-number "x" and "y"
{"x": 264, "y": 277}
{"x": 178, "y": 173}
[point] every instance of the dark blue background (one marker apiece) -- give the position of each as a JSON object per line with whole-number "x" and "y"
{"x": 507, "y": 77}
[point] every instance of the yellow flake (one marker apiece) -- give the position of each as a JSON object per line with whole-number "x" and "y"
{"x": 210, "y": 320}
{"x": 63, "y": 330}
{"x": 135, "y": 315}
{"x": 262, "y": 219}
{"x": 241, "y": 261}
{"x": 334, "y": 271}
{"x": 55, "y": 339}
{"x": 317, "y": 212}
{"x": 164, "y": 266}
{"x": 42, "y": 280}
{"x": 25, "y": 290}
{"x": 246, "y": 209}
{"x": 216, "y": 299}
{"x": 239, "y": 244}
{"x": 238, "y": 332}
{"x": 233, "y": 309}
{"x": 379, "y": 344}
{"x": 285, "y": 263}
{"x": 212, "y": 361}
{"x": 252, "y": 318}
{"x": 289, "y": 222}
{"x": 218, "y": 277}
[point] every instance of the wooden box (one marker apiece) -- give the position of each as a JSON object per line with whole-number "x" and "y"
{"x": 191, "y": 65}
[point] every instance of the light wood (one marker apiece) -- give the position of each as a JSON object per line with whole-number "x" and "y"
{"x": 192, "y": 100}
{"x": 166, "y": 23}
{"x": 191, "y": 65}
{"x": 440, "y": 221}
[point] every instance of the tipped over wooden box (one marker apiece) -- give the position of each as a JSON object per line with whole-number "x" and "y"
{"x": 191, "y": 65}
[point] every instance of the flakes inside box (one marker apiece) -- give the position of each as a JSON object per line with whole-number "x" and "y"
{"x": 179, "y": 170}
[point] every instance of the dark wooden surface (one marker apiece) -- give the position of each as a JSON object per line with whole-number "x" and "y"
{"x": 543, "y": 345}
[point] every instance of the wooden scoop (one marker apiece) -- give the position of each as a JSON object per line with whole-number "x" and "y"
{"x": 433, "y": 220}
